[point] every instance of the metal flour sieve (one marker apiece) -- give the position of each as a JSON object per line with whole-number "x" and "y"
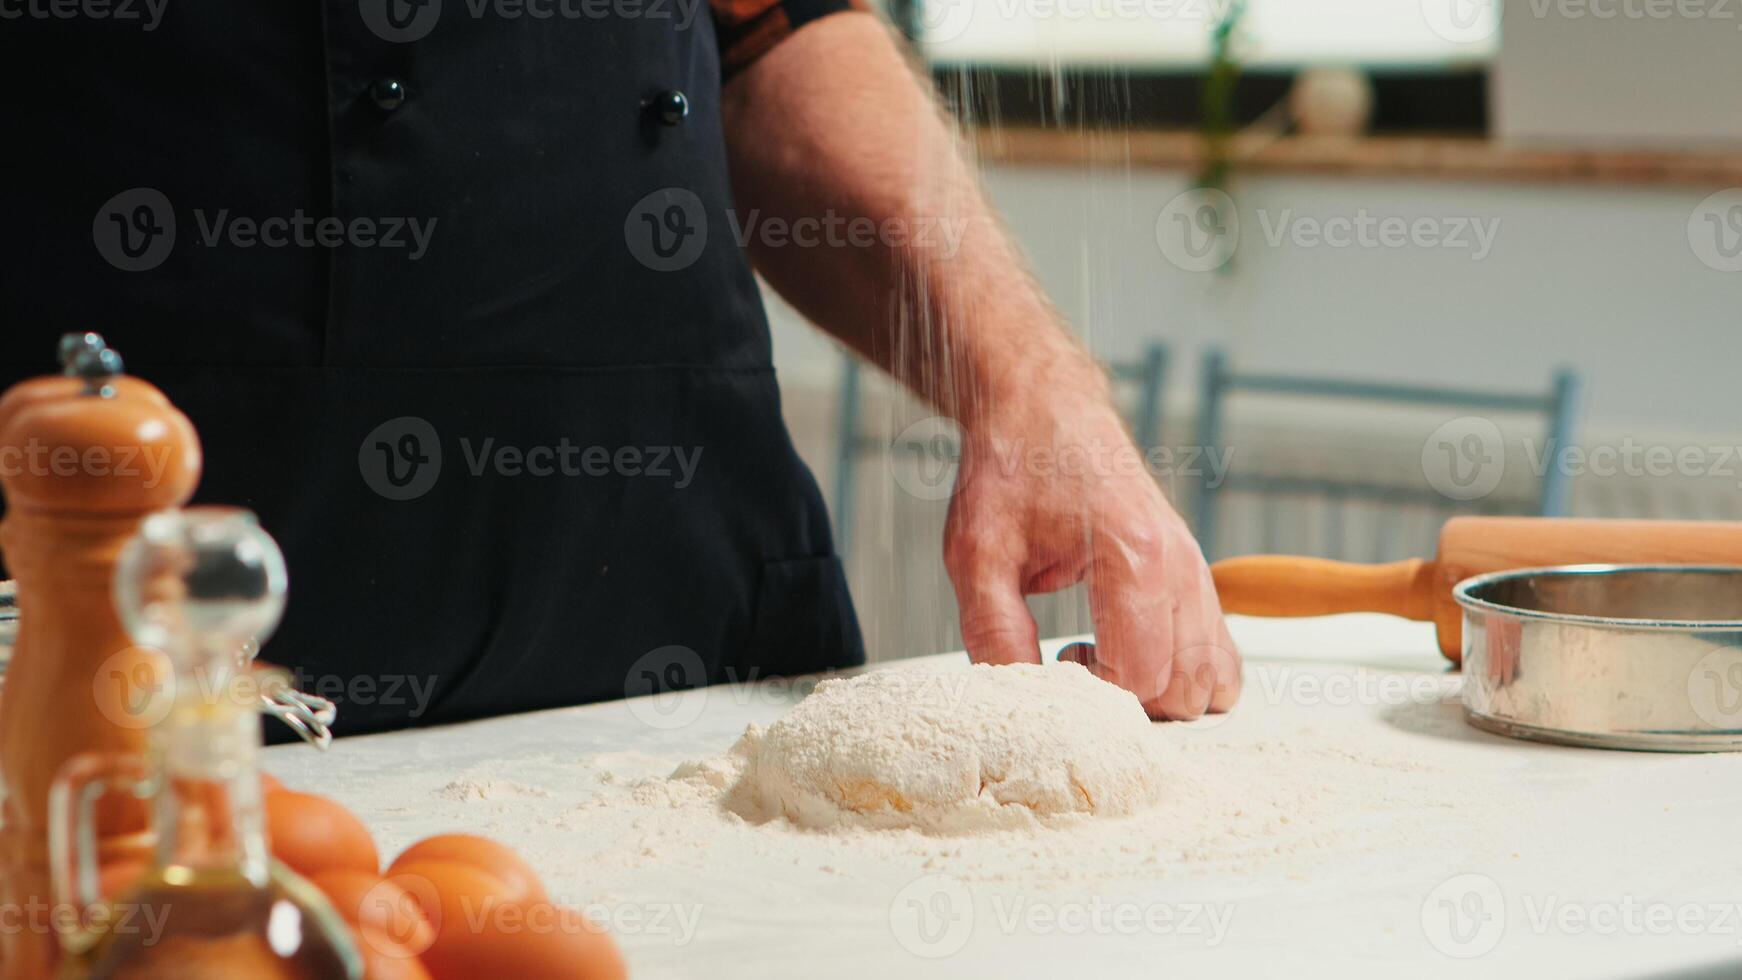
{"x": 1645, "y": 657}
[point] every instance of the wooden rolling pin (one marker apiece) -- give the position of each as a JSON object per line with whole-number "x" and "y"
{"x": 1280, "y": 585}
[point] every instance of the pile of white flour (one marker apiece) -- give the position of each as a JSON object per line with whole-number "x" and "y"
{"x": 1070, "y": 792}
{"x": 950, "y": 752}
{"x": 1224, "y": 795}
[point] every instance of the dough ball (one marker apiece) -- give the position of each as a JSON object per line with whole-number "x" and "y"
{"x": 954, "y": 752}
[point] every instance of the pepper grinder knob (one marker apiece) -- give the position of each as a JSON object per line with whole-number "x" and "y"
{"x": 73, "y": 345}
{"x": 88, "y": 357}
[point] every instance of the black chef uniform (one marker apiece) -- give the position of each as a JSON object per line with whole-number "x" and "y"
{"x": 451, "y": 293}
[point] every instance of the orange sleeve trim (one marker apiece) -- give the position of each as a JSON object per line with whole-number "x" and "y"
{"x": 749, "y": 29}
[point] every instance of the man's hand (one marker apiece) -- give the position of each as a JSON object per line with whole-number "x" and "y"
{"x": 1052, "y": 494}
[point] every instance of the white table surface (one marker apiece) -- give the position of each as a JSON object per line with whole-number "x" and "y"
{"x": 1568, "y": 862}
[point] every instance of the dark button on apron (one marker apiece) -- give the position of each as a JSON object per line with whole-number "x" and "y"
{"x": 388, "y": 93}
{"x": 672, "y": 107}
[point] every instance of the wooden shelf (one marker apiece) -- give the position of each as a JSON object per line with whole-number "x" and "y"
{"x": 1427, "y": 157}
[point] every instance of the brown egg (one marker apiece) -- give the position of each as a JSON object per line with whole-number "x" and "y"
{"x": 480, "y": 934}
{"x": 558, "y": 945}
{"x": 446, "y": 886}
{"x": 519, "y": 881}
{"x": 387, "y": 915}
{"x": 312, "y": 834}
{"x": 270, "y": 784}
{"x": 388, "y": 964}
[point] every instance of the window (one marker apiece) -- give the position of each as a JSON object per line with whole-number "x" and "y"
{"x": 1158, "y": 33}
{"x": 1131, "y": 63}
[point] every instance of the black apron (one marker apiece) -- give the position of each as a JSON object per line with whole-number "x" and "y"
{"x": 532, "y": 458}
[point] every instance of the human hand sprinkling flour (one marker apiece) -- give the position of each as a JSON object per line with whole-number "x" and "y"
{"x": 1017, "y": 528}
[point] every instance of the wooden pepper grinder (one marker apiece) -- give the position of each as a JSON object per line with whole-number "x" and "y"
{"x": 84, "y": 457}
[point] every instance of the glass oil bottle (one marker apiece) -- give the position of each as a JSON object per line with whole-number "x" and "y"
{"x": 196, "y": 584}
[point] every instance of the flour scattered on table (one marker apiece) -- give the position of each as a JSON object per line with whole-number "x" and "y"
{"x": 1207, "y": 801}
{"x": 488, "y": 789}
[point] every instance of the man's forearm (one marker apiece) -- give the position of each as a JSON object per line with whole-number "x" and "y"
{"x": 832, "y": 126}
{"x": 903, "y": 260}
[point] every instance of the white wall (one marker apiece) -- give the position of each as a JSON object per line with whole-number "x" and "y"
{"x": 1619, "y": 73}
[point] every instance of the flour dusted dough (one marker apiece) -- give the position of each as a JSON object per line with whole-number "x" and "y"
{"x": 953, "y": 752}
